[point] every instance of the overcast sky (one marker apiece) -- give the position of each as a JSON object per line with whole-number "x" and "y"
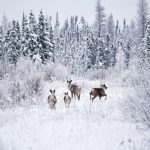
{"x": 119, "y": 8}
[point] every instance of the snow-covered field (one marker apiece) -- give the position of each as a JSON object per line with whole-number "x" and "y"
{"x": 100, "y": 125}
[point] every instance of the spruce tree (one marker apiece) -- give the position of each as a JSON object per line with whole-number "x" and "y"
{"x": 117, "y": 28}
{"x": 32, "y": 41}
{"x": 56, "y": 39}
{"x": 111, "y": 27}
{"x": 127, "y": 51}
{"x": 43, "y": 39}
{"x": 144, "y": 49}
{"x": 142, "y": 17}
{"x": 99, "y": 27}
{"x": 14, "y": 43}
{"x": 100, "y": 58}
{"x": 51, "y": 36}
{"x": 1, "y": 44}
{"x": 25, "y": 36}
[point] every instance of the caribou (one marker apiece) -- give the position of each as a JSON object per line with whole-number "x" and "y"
{"x": 98, "y": 92}
{"x": 52, "y": 99}
{"x": 74, "y": 89}
{"x": 67, "y": 100}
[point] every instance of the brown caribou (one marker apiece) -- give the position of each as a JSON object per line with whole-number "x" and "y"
{"x": 98, "y": 92}
{"x": 74, "y": 89}
{"x": 67, "y": 100}
{"x": 52, "y": 99}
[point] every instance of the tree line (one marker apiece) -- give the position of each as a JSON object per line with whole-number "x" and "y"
{"x": 77, "y": 45}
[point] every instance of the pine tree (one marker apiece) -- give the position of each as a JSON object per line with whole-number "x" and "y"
{"x": 100, "y": 58}
{"x": 4, "y": 25}
{"x": 147, "y": 42}
{"x": 92, "y": 48}
{"x": 144, "y": 50}
{"x": 43, "y": 39}
{"x": 126, "y": 44}
{"x": 84, "y": 53}
{"x": 56, "y": 39}
{"x": 127, "y": 51}
{"x": 13, "y": 52}
{"x": 51, "y": 36}
{"x": 6, "y": 42}
{"x": 107, "y": 52}
{"x": 1, "y": 44}
{"x": 25, "y": 36}
{"x": 18, "y": 35}
{"x": 113, "y": 55}
{"x": 142, "y": 17}
{"x": 111, "y": 26}
{"x": 64, "y": 44}
{"x": 100, "y": 20}
{"x": 32, "y": 40}
{"x": 133, "y": 33}
{"x": 117, "y": 28}
{"x": 124, "y": 23}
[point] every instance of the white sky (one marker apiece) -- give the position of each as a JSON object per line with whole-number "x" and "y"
{"x": 119, "y": 8}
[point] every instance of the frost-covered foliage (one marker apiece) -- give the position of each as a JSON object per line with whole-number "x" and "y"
{"x": 54, "y": 71}
{"x": 95, "y": 74}
{"x": 22, "y": 84}
{"x": 137, "y": 100}
{"x": 142, "y": 17}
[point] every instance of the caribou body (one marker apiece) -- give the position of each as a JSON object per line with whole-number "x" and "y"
{"x": 67, "y": 100}
{"x": 100, "y": 92}
{"x": 74, "y": 89}
{"x": 52, "y": 99}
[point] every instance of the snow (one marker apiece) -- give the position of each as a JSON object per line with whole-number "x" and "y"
{"x": 84, "y": 126}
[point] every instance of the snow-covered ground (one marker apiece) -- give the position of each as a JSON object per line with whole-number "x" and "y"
{"x": 100, "y": 125}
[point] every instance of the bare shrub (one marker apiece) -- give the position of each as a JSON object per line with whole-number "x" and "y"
{"x": 5, "y": 68}
{"x": 55, "y": 72}
{"x": 95, "y": 74}
{"x": 22, "y": 84}
{"x": 138, "y": 100}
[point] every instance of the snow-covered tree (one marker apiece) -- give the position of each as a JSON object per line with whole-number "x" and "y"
{"x": 25, "y": 36}
{"x": 13, "y": 52}
{"x": 124, "y": 23}
{"x": 147, "y": 42}
{"x": 108, "y": 52}
{"x": 51, "y": 36}
{"x": 111, "y": 26}
{"x": 142, "y": 17}
{"x": 32, "y": 40}
{"x": 4, "y": 25}
{"x": 1, "y": 44}
{"x": 56, "y": 38}
{"x": 117, "y": 28}
{"x": 84, "y": 53}
{"x": 144, "y": 49}
{"x": 100, "y": 60}
{"x": 99, "y": 27}
{"x": 133, "y": 33}
{"x": 92, "y": 49}
{"x": 113, "y": 52}
{"x": 43, "y": 39}
{"x": 64, "y": 44}
{"x": 127, "y": 53}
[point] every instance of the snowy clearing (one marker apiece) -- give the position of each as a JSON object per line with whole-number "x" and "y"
{"x": 84, "y": 126}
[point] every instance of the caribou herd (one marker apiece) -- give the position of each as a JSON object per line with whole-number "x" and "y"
{"x": 76, "y": 92}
